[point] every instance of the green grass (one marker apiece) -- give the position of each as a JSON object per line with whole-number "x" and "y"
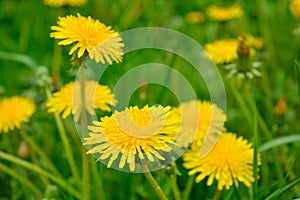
{"x": 55, "y": 145}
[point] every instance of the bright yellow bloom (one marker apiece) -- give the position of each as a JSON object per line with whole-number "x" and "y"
{"x": 134, "y": 136}
{"x": 199, "y": 119}
{"x": 222, "y": 51}
{"x": 224, "y": 13}
{"x": 67, "y": 100}
{"x": 295, "y": 8}
{"x": 195, "y": 17}
{"x": 60, "y": 3}
{"x": 89, "y": 36}
{"x": 14, "y": 111}
{"x": 230, "y": 161}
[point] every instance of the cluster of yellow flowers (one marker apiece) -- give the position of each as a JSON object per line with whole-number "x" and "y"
{"x": 216, "y": 13}
{"x": 136, "y": 135}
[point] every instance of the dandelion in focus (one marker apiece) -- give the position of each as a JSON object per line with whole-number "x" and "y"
{"x": 134, "y": 135}
{"x": 224, "y": 14}
{"x": 67, "y": 100}
{"x": 14, "y": 111}
{"x": 89, "y": 36}
{"x": 229, "y": 162}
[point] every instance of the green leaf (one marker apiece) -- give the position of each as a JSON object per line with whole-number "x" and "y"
{"x": 283, "y": 189}
{"x": 19, "y": 58}
{"x": 278, "y": 141}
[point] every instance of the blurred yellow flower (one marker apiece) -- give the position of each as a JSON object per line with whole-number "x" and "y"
{"x": 280, "y": 107}
{"x": 67, "y": 100}
{"x": 134, "y": 135}
{"x": 255, "y": 42}
{"x": 60, "y": 3}
{"x": 224, "y": 13}
{"x": 222, "y": 51}
{"x": 195, "y": 17}
{"x": 89, "y": 36}
{"x": 226, "y": 50}
{"x": 199, "y": 119}
{"x": 295, "y": 8}
{"x": 229, "y": 162}
{"x": 14, "y": 111}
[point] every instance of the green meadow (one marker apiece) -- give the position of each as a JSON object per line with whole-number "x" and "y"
{"x": 44, "y": 157}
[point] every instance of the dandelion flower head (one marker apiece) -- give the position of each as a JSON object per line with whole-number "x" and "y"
{"x": 199, "y": 119}
{"x": 135, "y": 135}
{"x": 295, "y": 8}
{"x": 195, "y": 17}
{"x": 60, "y": 3}
{"x": 67, "y": 100}
{"x": 224, "y": 13}
{"x": 229, "y": 162}
{"x": 89, "y": 36}
{"x": 14, "y": 111}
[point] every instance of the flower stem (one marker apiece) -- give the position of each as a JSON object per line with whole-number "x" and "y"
{"x": 22, "y": 180}
{"x": 155, "y": 186}
{"x": 98, "y": 180}
{"x": 59, "y": 181}
{"x": 189, "y": 187}
{"x": 84, "y": 133}
{"x": 255, "y": 143}
{"x": 40, "y": 152}
{"x": 65, "y": 141}
{"x": 175, "y": 188}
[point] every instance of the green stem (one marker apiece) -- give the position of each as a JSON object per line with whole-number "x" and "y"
{"x": 189, "y": 187}
{"x": 98, "y": 180}
{"x": 265, "y": 131}
{"x": 155, "y": 186}
{"x": 59, "y": 181}
{"x": 84, "y": 133}
{"x": 255, "y": 143}
{"x": 298, "y": 77}
{"x": 65, "y": 141}
{"x": 40, "y": 152}
{"x": 21, "y": 179}
{"x": 176, "y": 191}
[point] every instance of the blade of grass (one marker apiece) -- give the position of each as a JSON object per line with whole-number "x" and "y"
{"x": 298, "y": 77}
{"x": 26, "y": 60}
{"x": 59, "y": 181}
{"x": 278, "y": 141}
{"x": 281, "y": 190}
{"x": 21, "y": 179}
{"x": 255, "y": 142}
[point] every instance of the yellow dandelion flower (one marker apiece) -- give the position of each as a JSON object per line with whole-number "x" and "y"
{"x": 295, "y": 8}
{"x": 199, "y": 119}
{"x": 67, "y": 100}
{"x": 195, "y": 17}
{"x": 14, "y": 111}
{"x": 134, "y": 135}
{"x": 222, "y": 51}
{"x": 257, "y": 43}
{"x": 60, "y": 3}
{"x": 229, "y": 162}
{"x": 89, "y": 36}
{"x": 224, "y": 13}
